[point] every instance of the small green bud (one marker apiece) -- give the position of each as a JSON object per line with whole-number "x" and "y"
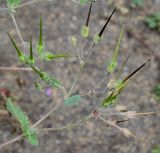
{"x": 85, "y": 31}
{"x": 44, "y": 76}
{"x": 110, "y": 100}
{"x": 38, "y": 86}
{"x": 40, "y": 48}
{"x": 30, "y": 61}
{"x": 118, "y": 84}
{"x": 111, "y": 66}
{"x": 22, "y": 58}
{"x": 97, "y": 39}
{"x": 74, "y": 40}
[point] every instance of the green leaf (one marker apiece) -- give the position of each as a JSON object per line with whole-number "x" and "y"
{"x": 23, "y": 119}
{"x": 137, "y": 2}
{"x": 18, "y": 113}
{"x": 85, "y": 1}
{"x": 153, "y": 21}
{"x": 73, "y": 100}
{"x": 32, "y": 137}
{"x": 156, "y": 150}
{"x": 13, "y": 3}
{"x": 85, "y": 31}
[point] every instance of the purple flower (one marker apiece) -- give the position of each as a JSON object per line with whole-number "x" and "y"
{"x": 48, "y": 92}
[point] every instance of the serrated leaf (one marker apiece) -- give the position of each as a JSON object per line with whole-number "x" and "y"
{"x": 18, "y": 113}
{"x": 23, "y": 119}
{"x": 73, "y": 100}
{"x": 32, "y": 137}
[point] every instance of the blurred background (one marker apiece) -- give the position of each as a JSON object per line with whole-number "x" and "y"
{"x": 61, "y": 20}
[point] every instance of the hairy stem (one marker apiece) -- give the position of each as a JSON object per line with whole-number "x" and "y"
{"x": 11, "y": 141}
{"x": 17, "y": 29}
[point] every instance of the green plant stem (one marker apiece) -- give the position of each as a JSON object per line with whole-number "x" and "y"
{"x": 68, "y": 126}
{"x": 45, "y": 116}
{"x": 79, "y": 57}
{"x": 90, "y": 52}
{"x": 102, "y": 81}
{"x": 11, "y": 141}
{"x": 83, "y": 42}
{"x": 75, "y": 82}
{"x": 17, "y": 29}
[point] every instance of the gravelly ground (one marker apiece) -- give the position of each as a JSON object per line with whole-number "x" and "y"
{"x": 61, "y": 20}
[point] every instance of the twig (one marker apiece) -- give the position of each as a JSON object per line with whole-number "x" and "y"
{"x": 125, "y": 131}
{"x": 79, "y": 57}
{"x": 75, "y": 81}
{"x": 90, "y": 52}
{"x": 45, "y": 116}
{"x": 15, "y": 69}
{"x": 68, "y": 126}
{"x": 11, "y": 141}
